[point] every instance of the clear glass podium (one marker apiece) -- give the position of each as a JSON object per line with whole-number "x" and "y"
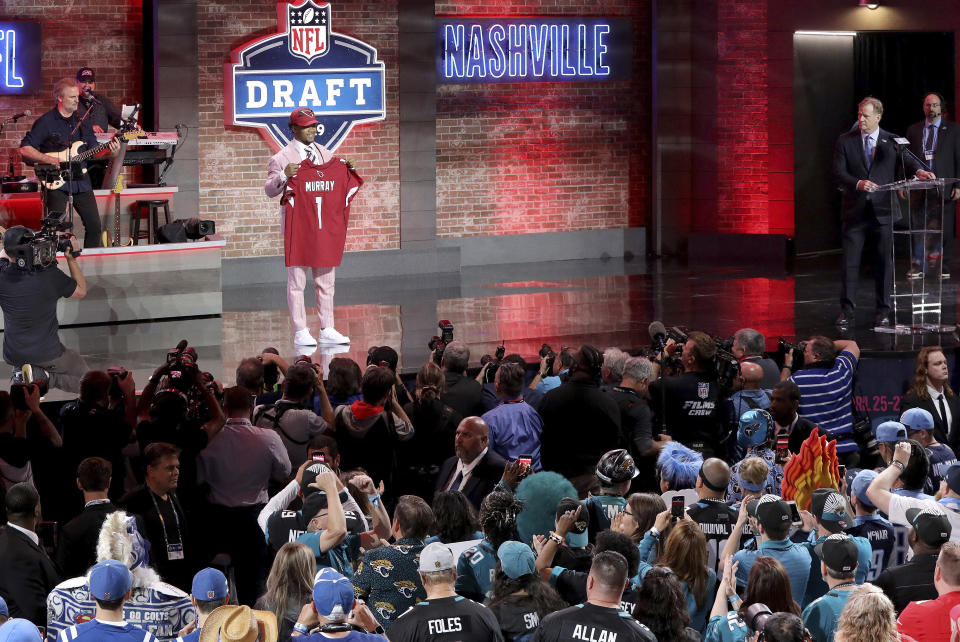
{"x": 916, "y": 306}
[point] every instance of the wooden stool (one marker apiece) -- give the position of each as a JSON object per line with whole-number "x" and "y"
{"x": 152, "y": 210}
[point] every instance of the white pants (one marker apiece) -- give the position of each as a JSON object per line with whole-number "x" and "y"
{"x": 323, "y": 279}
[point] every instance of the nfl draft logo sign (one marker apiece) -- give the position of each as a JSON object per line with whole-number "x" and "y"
{"x": 305, "y": 64}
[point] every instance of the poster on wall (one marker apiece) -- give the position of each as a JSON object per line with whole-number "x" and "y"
{"x": 304, "y": 64}
{"x": 19, "y": 58}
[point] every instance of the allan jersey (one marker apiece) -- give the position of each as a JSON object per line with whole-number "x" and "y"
{"x": 161, "y": 609}
{"x": 592, "y": 622}
{"x": 316, "y": 210}
{"x": 448, "y": 619}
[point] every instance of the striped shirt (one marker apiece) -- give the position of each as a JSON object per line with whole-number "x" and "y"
{"x": 825, "y": 399}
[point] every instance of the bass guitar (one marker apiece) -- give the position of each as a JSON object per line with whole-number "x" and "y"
{"x": 71, "y": 154}
{"x": 107, "y": 241}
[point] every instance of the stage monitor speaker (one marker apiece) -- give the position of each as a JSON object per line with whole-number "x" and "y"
{"x": 733, "y": 249}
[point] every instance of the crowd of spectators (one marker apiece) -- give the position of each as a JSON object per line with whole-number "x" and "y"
{"x": 593, "y": 496}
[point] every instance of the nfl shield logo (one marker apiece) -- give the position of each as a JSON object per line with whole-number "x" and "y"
{"x": 309, "y": 30}
{"x": 211, "y": 594}
{"x": 703, "y": 390}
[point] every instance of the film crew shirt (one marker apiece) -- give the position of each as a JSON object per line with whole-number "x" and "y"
{"x": 29, "y": 303}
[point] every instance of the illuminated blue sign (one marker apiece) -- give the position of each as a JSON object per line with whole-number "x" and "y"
{"x": 480, "y": 50}
{"x": 19, "y": 57}
{"x": 306, "y": 64}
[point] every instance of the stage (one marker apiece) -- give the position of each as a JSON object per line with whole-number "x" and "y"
{"x": 562, "y": 303}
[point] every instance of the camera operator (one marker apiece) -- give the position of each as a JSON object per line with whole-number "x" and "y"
{"x": 748, "y": 345}
{"x": 826, "y": 390}
{"x": 29, "y": 301}
{"x": 188, "y": 418}
{"x": 688, "y": 406}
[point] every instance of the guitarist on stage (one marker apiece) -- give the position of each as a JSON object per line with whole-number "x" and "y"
{"x": 51, "y": 133}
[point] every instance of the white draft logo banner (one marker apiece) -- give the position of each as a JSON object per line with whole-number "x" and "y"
{"x": 304, "y": 64}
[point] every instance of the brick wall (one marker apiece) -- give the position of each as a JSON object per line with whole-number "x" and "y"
{"x": 233, "y": 160}
{"x": 742, "y": 164}
{"x": 102, "y": 34}
{"x": 544, "y": 157}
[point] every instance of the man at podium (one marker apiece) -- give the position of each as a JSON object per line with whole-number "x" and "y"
{"x": 864, "y": 159}
{"x": 937, "y": 141}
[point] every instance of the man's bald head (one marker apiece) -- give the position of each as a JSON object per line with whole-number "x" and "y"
{"x": 752, "y": 375}
{"x": 471, "y": 438}
{"x": 714, "y": 474}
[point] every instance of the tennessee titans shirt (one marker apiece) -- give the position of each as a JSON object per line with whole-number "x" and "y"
{"x": 592, "y": 623}
{"x": 448, "y": 619}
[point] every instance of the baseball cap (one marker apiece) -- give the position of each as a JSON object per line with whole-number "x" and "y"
{"x": 769, "y": 510}
{"x": 303, "y": 117}
{"x": 310, "y": 474}
{"x": 86, "y": 72}
{"x": 3, "y": 607}
{"x": 577, "y": 535}
{"x": 862, "y": 481}
{"x": 332, "y": 594}
{"x": 208, "y": 585}
{"x": 516, "y": 559}
{"x": 754, "y": 428}
{"x": 436, "y": 557}
{"x": 828, "y": 506}
{"x": 110, "y": 580}
{"x": 953, "y": 478}
{"x": 891, "y": 432}
{"x": 838, "y": 552}
{"x": 16, "y": 235}
{"x": 932, "y": 526}
{"x": 19, "y": 630}
{"x": 917, "y": 419}
{"x": 377, "y": 354}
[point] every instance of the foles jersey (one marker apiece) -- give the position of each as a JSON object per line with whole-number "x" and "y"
{"x": 448, "y": 619}
{"x": 316, "y": 210}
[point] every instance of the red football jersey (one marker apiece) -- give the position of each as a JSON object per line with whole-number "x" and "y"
{"x": 317, "y": 208}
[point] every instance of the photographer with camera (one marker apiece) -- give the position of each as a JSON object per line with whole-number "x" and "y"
{"x": 99, "y": 422}
{"x": 552, "y": 368}
{"x": 826, "y": 389}
{"x": 689, "y": 406}
{"x": 29, "y": 298}
{"x": 293, "y": 416}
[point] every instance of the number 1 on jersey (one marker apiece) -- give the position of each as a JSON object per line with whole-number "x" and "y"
{"x": 319, "y": 201}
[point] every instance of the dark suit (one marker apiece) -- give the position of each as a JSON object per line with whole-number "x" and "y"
{"x": 464, "y": 394}
{"x": 27, "y": 576}
{"x": 77, "y": 550}
{"x": 867, "y": 214}
{"x": 946, "y": 162}
{"x": 944, "y": 434}
{"x": 481, "y": 481}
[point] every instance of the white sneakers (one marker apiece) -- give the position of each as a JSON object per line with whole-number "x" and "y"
{"x": 331, "y": 336}
{"x": 327, "y": 336}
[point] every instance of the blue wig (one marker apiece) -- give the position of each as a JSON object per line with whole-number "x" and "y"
{"x": 679, "y": 466}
